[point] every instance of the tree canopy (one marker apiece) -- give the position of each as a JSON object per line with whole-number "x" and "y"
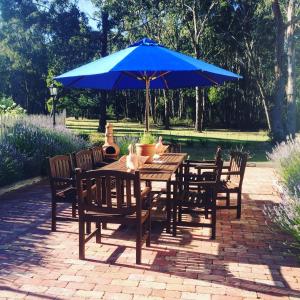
{"x": 43, "y": 38}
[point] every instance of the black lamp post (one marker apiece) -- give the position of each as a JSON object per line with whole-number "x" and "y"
{"x": 53, "y": 94}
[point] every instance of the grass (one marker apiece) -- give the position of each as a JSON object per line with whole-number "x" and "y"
{"x": 199, "y": 145}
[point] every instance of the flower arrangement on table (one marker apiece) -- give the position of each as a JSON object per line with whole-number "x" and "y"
{"x": 144, "y": 151}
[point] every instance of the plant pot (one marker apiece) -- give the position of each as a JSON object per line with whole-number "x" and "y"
{"x": 146, "y": 150}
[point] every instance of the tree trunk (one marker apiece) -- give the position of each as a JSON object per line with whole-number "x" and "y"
{"x": 277, "y": 112}
{"x": 103, "y": 94}
{"x": 167, "y": 111}
{"x": 291, "y": 74}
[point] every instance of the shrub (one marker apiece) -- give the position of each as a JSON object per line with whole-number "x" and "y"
{"x": 124, "y": 142}
{"x": 96, "y": 138}
{"x": 147, "y": 138}
{"x": 8, "y": 106}
{"x": 286, "y": 215}
{"x": 286, "y": 157}
{"x": 11, "y": 164}
{"x": 27, "y": 142}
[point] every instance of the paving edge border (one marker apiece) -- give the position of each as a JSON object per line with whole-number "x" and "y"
{"x": 20, "y": 184}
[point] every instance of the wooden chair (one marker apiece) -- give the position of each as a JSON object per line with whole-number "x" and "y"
{"x": 208, "y": 164}
{"x": 84, "y": 160}
{"x": 101, "y": 204}
{"x": 234, "y": 181}
{"x": 62, "y": 185}
{"x": 195, "y": 194}
{"x": 97, "y": 157}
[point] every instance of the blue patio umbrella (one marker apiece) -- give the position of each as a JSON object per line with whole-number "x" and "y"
{"x": 145, "y": 65}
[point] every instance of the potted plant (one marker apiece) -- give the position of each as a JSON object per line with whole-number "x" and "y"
{"x": 146, "y": 146}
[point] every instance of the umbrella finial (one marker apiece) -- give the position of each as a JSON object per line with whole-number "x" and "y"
{"x": 144, "y": 42}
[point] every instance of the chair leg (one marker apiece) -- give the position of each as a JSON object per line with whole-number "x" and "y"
{"x": 206, "y": 211}
{"x": 81, "y": 240}
{"x": 74, "y": 209}
{"x": 239, "y": 205}
{"x": 213, "y": 220}
{"x": 148, "y": 241}
{"x": 174, "y": 217}
{"x": 88, "y": 227}
{"x": 53, "y": 216}
{"x": 138, "y": 243}
{"x": 179, "y": 212}
{"x": 227, "y": 200}
{"x": 104, "y": 225}
{"x": 98, "y": 233}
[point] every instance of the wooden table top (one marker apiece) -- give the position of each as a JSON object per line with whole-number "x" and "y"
{"x": 159, "y": 170}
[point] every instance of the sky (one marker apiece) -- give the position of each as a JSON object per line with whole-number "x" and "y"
{"x": 87, "y": 7}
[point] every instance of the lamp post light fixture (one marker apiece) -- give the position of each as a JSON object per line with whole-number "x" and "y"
{"x": 53, "y": 94}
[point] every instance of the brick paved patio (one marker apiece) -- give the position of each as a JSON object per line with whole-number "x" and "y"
{"x": 246, "y": 261}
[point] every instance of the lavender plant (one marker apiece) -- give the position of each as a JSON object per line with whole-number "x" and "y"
{"x": 286, "y": 157}
{"x": 287, "y": 215}
{"x": 30, "y": 140}
{"x": 11, "y": 164}
{"x": 124, "y": 142}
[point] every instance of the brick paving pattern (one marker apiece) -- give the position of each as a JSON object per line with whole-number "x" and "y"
{"x": 246, "y": 261}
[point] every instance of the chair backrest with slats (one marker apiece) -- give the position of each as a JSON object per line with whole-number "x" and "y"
{"x": 191, "y": 175}
{"x": 83, "y": 159}
{"x": 59, "y": 166}
{"x": 97, "y": 155}
{"x": 99, "y": 195}
{"x": 238, "y": 162}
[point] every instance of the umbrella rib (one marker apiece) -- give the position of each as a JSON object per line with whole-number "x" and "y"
{"x": 132, "y": 75}
{"x": 163, "y": 74}
{"x": 117, "y": 81}
{"x": 152, "y": 77}
{"x": 207, "y": 77}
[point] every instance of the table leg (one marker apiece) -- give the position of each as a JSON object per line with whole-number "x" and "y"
{"x": 168, "y": 206}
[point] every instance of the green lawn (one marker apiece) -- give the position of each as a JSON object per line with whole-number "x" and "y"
{"x": 198, "y": 145}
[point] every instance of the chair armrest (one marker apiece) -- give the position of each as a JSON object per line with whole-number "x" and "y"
{"x": 206, "y": 167}
{"x": 226, "y": 167}
{"x": 109, "y": 160}
{"x": 231, "y": 173}
{"x": 203, "y": 183}
{"x": 199, "y": 177}
{"x": 63, "y": 179}
{"x": 100, "y": 164}
{"x": 199, "y": 161}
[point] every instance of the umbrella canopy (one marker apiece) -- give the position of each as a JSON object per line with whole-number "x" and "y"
{"x": 145, "y": 65}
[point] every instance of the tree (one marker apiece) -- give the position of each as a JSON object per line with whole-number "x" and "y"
{"x": 291, "y": 67}
{"x": 278, "y": 102}
{"x": 22, "y": 45}
{"x": 196, "y": 17}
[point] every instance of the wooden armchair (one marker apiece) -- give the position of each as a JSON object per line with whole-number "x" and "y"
{"x": 62, "y": 185}
{"x": 195, "y": 194}
{"x": 84, "y": 160}
{"x": 99, "y": 203}
{"x": 234, "y": 180}
{"x": 208, "y": 164}
{"x": 99, "y": 159}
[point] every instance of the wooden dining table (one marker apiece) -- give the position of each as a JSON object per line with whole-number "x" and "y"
{"x": 160, "y": 169}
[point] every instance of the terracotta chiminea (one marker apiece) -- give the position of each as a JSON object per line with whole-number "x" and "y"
{"x": 110, "y": 148}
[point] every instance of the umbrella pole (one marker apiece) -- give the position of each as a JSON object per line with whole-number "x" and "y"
{"x": 147, "y": 104}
